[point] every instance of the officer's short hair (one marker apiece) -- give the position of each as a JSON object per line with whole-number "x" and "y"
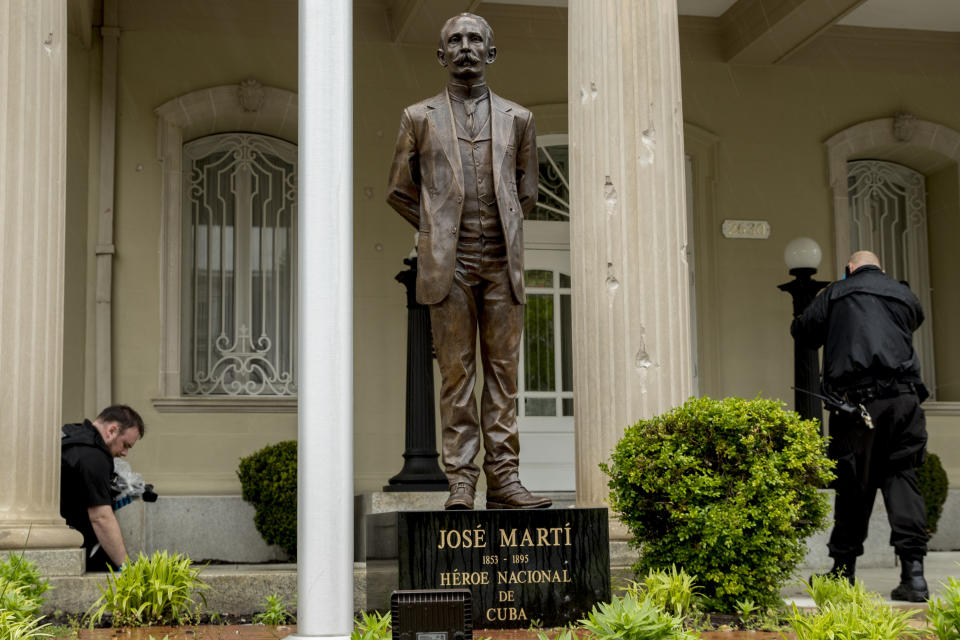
{"x": 124, "y": 416}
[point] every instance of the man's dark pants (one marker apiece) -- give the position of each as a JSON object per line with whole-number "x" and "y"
{"x": 481, "y": 299}
{"x": 883, "y": 458}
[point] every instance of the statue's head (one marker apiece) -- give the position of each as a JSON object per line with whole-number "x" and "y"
{"x": 466, "y": 47}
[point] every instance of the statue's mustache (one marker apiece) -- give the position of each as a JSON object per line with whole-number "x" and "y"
{"x": 466, "y": 57}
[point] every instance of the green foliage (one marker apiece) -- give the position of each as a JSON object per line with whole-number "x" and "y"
{"x": 17, "y": 570}
{"x": 21, "y": 596}
{"x": 567, "y": 633}
{"x": 15, "y": 627}
{"x": 275, "y": 612}
{"x": 846, "y": 612}
{"x": 630, "y": 618}
{"x": 672, "y": 590}
{"x": 934, "y": 484}
{"x": 158, "y": 590}
{"x": 830, "y": 589}
{"x": 943, "y": 616}
{"x": 726, "y": 490}
{"x": 269, "y": 482}
{"x": 371, "y": 626}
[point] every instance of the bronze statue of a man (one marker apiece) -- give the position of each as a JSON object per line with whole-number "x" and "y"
{"x": 464, "y": 173}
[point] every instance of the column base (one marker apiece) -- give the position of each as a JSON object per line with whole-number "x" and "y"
{"x": 19, "y": 536}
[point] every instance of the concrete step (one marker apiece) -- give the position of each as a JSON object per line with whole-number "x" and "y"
{"x": 242, "y": 589}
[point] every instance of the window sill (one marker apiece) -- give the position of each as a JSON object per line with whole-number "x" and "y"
{"x": 227, "y": 404}
{"x": 934, "y": 408}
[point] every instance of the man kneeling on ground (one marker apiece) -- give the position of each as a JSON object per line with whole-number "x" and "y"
{"x": 86, "y": 475}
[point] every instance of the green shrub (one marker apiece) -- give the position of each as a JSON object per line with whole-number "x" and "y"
{"x": 17, "y": 570}
{"x": 269, "y": 481}
{"x": 275, "y": 612}
{"x": 158, "y": 590}
{"x": 13, "y": 627}
{"x": 22, "y": 587}
{"x": 943, "y": 616}
{"x": 631, "y": 618}
{"x": 726, "y": 490}
{"x": 846, "y": 612}
{"x": 673, "y": 591}
{"x": 934, "y": 485}
{"x": 829, "y": 589}
{"x": 371, "y": 626}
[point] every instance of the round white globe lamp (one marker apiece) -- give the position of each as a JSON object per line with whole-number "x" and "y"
{"x": 802, "y": 253}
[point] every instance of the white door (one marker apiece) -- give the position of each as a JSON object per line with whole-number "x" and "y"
{"x": 545, "y": 406}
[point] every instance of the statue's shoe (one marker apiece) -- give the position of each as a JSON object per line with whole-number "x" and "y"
{"x": 461, "y": 497}
{"x": 515, "y": 496}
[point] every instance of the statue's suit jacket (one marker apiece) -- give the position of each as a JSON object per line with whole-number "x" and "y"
{"x": 426, "y": 186}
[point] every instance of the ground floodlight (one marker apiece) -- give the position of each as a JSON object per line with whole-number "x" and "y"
{"x": 431, "y": 614}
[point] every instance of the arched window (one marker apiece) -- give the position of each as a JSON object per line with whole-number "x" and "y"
{"x": 239, "y": 266}
{"x": 228, "y": 250}
{"x": 888, "y": 215}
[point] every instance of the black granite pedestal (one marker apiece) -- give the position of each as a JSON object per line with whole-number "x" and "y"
{"x": 548, "y": 565}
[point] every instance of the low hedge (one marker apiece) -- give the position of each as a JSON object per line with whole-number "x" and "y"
{"x": 269, "y": 482}
{"x": 727, "y": 490}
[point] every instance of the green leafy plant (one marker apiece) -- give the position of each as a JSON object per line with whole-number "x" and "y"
{"x": 671, "y": 589}
{"x": 371, "y": 626}
{"x": 18, "y": 570}
{"x": 567, "y": 633}
{"x": 943, "y": 616}
{"x": 830, "y": 589}
{"x": 269, "y": 482}
{"x": 156, "y": 590}
{"x": 630, "y": 618}
{"x": 15, "y": 627}
{"x": 726, "y": 490}
{"x": 849, "y": 612}
{"x": 934, "y": 485}
{"x": 275, "y": 612}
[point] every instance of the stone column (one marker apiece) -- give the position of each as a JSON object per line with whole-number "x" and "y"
{"x": 628, "y": 231}
{"x": 33, "y": 117}
{"x": 325, "y": 389}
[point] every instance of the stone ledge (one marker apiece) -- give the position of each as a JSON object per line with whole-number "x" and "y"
{"x": 57, "y": 562}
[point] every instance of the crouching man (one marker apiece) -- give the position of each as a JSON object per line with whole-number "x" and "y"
{"x": 87, "y": 451}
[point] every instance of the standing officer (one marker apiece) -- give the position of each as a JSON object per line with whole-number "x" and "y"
{"x": 865, "y": 324}
{"x": 464, "y": 173}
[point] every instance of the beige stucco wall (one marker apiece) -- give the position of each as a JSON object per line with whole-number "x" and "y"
{"x": 771, "y": 124}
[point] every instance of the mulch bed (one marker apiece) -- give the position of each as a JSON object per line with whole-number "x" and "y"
{"x": 262, "y": 632}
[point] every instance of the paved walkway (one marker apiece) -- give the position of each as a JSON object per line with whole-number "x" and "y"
{"x": 938, "y": 566}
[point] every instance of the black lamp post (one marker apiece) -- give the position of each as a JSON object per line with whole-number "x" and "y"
{"x": 420, "y": 469}
{"x": 802, "y": 256}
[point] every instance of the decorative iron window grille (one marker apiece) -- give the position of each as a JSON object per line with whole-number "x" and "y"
{"x": 240, "y": 266}
{"x": 553, "y": 200}
{"x": 888, "y": 215}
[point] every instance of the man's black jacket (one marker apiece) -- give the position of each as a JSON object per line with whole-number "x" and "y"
{"x": 865, "y": 324}
{"x": 86, "y": 473}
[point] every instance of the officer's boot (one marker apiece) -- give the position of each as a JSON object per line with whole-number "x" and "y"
{"x": 843, "y": 567}
{"x": 913, "y": 586}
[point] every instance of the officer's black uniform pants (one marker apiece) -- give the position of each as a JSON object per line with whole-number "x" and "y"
{"x": 883, "y": 458}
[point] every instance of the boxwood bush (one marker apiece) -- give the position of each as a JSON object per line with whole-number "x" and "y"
{"x": 727, "y": 490}
{"x": 934, "y": 485}
{"x": 269, "y": 482}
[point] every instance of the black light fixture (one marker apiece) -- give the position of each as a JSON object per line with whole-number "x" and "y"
{"x": 432, "y": 614}
{"x": 803, "y": 256}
